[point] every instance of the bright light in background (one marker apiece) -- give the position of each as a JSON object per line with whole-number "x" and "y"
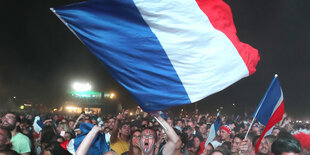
{"x": 72, "y": 108}
{"x": 112, "y": 95}
{"x": 81, "y": 87}
{"x": 14, "y": 97}
{"x": 130, "y": 113}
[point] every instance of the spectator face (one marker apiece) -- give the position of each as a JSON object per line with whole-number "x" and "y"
{"x": 136, "y": 138}
{"x": 93, "y": 121}
{"x": 263, "y": 147}
{"x": 111, "y": 123}
{"x": 224, "y": 135}
{"x": 196, "y": 142}
{"x": 203, "y": 129}
{"x": 9, "y": 121}
{"x": 4, "y": 138}
{"x": 147, "y": 141}
{"x": 71, "y": 124}
{"x": 256, "y": 130}
{"x": 67, "y": 136}
{"x": 209, "y": 149}
{"x": 275, "y": 132}
{"x": 144, "y": 123}
{"x": 191, "y": 124}
{"x": 180, "y": 124}
{"x": 235, "y": 145}
{"x": 125, "y": 130}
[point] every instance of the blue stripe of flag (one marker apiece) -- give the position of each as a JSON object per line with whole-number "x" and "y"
{"x": 116, "y": 33}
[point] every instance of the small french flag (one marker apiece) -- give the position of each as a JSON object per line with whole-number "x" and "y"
{"x": 271, "y": 108}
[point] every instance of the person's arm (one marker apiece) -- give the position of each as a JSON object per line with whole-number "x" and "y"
{"x": 77, "y": 120}
{"x": 172, "y": 139}
{"x": 114, "y": 134}
{"x": 87, "y": 141}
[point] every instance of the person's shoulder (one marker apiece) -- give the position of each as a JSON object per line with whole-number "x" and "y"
{"x": 22, "y": 138}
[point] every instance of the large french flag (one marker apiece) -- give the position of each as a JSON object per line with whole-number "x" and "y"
{"x": 271, "y": 108}
{"x": 165, "y": 52}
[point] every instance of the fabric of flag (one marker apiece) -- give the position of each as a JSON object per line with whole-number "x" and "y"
{"x": 37, "y": 126}
{"x": 165, "y": 53}
{"x": 271, "y": 108}
{"x": 212, "y": 134}
{"x": 98, "y": 146}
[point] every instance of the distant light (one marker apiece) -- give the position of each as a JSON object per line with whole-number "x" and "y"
{"x": 81, "y": 87}
{"x": 72, "y": 108}
{"x": 22, "y": 107}
{"x": 130, "y": 113}
{"x": 112, "y": 95}
{"x": 55, "y": 109}
{"x": 14, "y": 97}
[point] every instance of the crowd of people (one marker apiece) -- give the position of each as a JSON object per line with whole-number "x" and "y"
{"x": 146, "y": 134}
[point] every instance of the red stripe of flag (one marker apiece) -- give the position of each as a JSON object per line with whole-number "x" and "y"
{"x": 220, "y": 16}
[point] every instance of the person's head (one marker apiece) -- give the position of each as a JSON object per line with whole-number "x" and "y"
{"x": 235, "y": 145}
{"x": 263, "y": 147}
{"x": 5, "y": 137}
{"x": 231, "y": 124}
{"x": 135, "y": 138}
{"x": 148, "y": 140}
{"x": 220, "y": 151}
{"x": 182, "y": 139}
{"x": 285, "y": 146}
{"x": 145, "y": 123}
{"x": 203, "y": 128}
{"x": 71, "y": 124}
{"x": 10, "y": 121}
{"x": 179, "y": 123}
{"x": 269, "y": 140}
{"x": 197, "y": 140}
{"x": 62, "y": 128}
{"x": 124, "y": 129}
{"x": 256, "y": 129}
{"x": 189, "y": 131}
{"x": 275, "y": 131}
{"x": 48, "y": 134}
{"x": 225, "y": 132}
{"x": 191, "y": 124}
{"x": 111, "y": 122}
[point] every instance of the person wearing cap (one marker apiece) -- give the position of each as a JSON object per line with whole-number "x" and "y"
{"x": 225, "y": 132}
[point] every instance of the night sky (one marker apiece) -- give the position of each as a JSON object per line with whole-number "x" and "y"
{"x": 40, "y": 57}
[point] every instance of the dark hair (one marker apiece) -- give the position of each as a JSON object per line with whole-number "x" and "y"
{"x": 8, "y": 132}
{"x": 17, "y": 118}
{"x": 56, "y": 149}
{"x": 286, "y": 144}
{"x": 240, "y": 136}
{"x": 222, "y": 150}
{"x": 182, "y": 136}
{"x": 9, "y": 152}
{"x": 271, "y": 138}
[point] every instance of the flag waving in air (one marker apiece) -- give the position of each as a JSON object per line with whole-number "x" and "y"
{"x": 271, "y": 108}
{"x": 165, "y": 53}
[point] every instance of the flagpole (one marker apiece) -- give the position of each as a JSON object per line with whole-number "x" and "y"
{"x": 260, "y": 105}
